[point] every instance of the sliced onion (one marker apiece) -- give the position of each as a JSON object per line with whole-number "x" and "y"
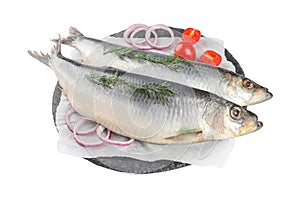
{"x": 86, "y": 132}
{"x": 67, "y": 116}
{"x": 108, "y": 141}
{"x": 153, "y": 28}
{"x": 77, "y": 139}
{"x": 138, "y": 44}
{"x": 98, "y": 129}
{"x": 146, "y": 43}
{"x": 75, "y": 134}
{"x": 130, "y": 29}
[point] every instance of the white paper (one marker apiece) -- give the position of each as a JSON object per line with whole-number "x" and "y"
{"x": 205, "y": 153}
{"x": 204, "y": 44}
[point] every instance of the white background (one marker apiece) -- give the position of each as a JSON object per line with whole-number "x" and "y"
{"x": 262, "y": 35}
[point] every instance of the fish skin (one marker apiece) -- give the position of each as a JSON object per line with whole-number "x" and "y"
{"x": 144, "y": 118}
{"x": 221, "y": 82}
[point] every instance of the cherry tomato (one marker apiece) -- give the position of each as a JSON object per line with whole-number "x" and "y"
{"x": 185, "y": 50}
{"x": 211, "y": 57}
{"x": 191, "y": 35}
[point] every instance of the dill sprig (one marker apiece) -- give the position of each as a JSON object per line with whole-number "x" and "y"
{"x": 105, "y": 81}
{"x": 112, "y": 49}
{"x": 159, "y": 91}
{"x": 170, "y": 61}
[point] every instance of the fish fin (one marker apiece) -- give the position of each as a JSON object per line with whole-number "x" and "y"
{"x": 45, "y": 58}
{"x": 74, "y": 34}
{"x": 63, "y": 91}
{"x": 40, "y": 56}
{"x": 187, "y": 131}
{"x": 182, "y": 131}
{"x": 57, "y": 47}
{"x": 186, "y": 138}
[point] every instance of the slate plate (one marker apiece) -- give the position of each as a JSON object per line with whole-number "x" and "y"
{"x": 130, "y": 165}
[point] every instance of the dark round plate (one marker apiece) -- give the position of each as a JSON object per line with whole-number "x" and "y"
{"x": 131, "y": 165}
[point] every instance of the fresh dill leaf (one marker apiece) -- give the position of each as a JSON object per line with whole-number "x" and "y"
{"x": 105, "y": 81}
{"x": 119, "y": 50}
{"x": 159, "y": 91}
{"x": 172, "y": 62}
{"x": 140, "y": 90}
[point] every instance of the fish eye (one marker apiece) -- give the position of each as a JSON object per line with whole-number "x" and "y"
{"x": 248, "y": 83}
{"x": 235, "y": 112}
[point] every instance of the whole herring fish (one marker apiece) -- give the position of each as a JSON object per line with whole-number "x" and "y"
{"x": 221, "y": 82}
{"x": 145, "y": 108}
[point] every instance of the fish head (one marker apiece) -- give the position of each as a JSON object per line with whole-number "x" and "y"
{"x": 240, "y": 121}
{"x": 227, "y": 120}
{"x": 244, "y": 91}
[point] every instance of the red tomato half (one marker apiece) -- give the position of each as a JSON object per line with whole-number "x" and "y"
{"x": 191, "y": 35}
{"x": 185, "y": 50}
{"x": 211, "y": 57}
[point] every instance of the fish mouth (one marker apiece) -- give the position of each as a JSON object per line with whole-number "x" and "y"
{"x": 259, "y": 125}
{"x": 250, "y": 125}
{"x": 260, "y": 96}
{"x": 268, "y": 95}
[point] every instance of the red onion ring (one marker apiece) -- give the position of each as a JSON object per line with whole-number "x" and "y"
{"x": 137, "y": 44}
{"x": 96, "y": 129}
{"x": 67, "y": 116}
{"x": 159, "y": 26}
{"x": 135, "y": 28}
{"x": 108, "y": 141}
{"x": 130, "y": 29}
{"x": 75, "y": 134}
{"x": 76, "y": 126}
{"x": 67, "y": 119}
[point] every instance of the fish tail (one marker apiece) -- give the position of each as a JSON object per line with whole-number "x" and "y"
{"x": 56, "y": 49}
{"x": 40, "y": 56}
{"x": 74, "y": 34}
{"x": 45, "y": 58}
